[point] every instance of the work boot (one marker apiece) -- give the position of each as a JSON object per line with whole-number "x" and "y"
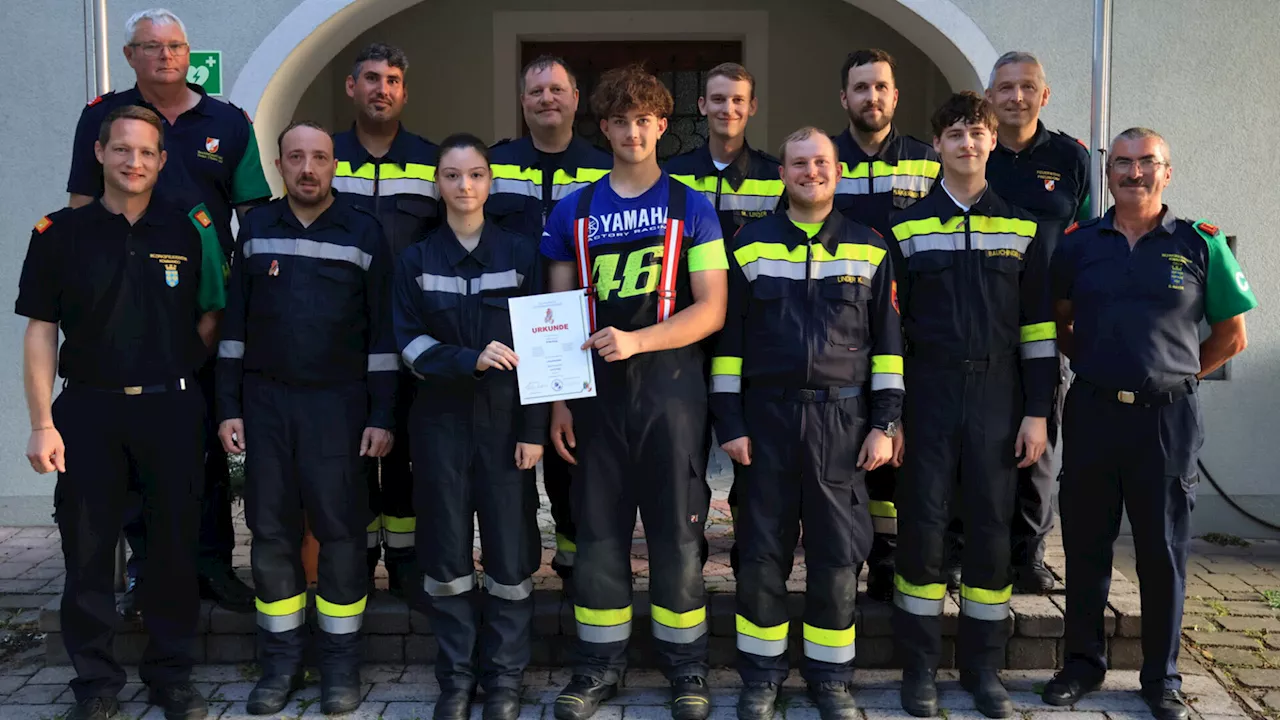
{"x": 833, "y": 700}
{"x": 880, "y": 583}
{"x": 339, "y": 692}
{"x": 400, "y": 581}
{"x": 272, "y": 693}
{"x": 1069, "y": 686}
{"x": 180, "y": 701}
{"x": 690, "y": 699}
{"x": 1166, "y": 703}
{"x": 501, "y": 704}
{"x": 757, "y": 701}
{"x": 919, "y": 692}
{"x": 454, "y": 704}
{"x": 582, "y": 697}
{"x": 1032, "y": 579}
{"x": 989, "y": 695}
{"x": 224, "y": 588}
{"x": 98, "y": 708}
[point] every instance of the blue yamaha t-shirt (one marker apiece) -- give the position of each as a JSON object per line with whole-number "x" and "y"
{"x": 625, "y": 240}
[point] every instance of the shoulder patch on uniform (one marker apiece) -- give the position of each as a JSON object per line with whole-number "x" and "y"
{"x": 96, "y": 100}
{"x": 1074, "y": 226}
{"x": 43, "y": 224}
{"x": 203, "y": 218}
{"x": 246, "y": 116}
{"x": 1207, "y": 228}
{"x": 1086, "y": 147}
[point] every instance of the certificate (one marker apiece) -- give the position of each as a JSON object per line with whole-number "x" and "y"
{"x": 549, "y": 331}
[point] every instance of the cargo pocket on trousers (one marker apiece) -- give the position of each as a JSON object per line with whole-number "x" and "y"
{"x": 1190, "y": 483}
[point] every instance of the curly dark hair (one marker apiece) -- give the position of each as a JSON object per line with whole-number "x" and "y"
{"x": 628, "y": 88}
{"x": 968, "y": 106}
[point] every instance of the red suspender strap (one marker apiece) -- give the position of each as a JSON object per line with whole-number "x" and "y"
{"x": 670, "y": 268}
{"x": 584, "y": 267}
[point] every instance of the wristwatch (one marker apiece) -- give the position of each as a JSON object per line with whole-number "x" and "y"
{"x": 890, "y": 429}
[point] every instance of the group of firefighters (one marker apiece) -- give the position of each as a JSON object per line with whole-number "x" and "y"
{"x": 813, "y": 309}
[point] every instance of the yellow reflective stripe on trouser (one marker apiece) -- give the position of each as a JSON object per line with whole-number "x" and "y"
{"x": 566, "y": 549}
{"x": 925, "y": 600}
{"x": 513, "y": 593}
{"x": 833, "y": 646}
{"x": 398, "y": 531}
{"x": 337, "y": 619}
{"x": 603, "y": 626}
{"x": 374, "y": 532}
{"x": 282, "y": 615}
{"x": 884, "y": 517}
{"x": 456, "y": 586}
{"x": 981, "y": 604}
{"x": 768, "y": 641}
{"x": 675, "y": 627}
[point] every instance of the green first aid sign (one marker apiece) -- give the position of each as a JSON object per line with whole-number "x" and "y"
{"x": 206, "y": 70}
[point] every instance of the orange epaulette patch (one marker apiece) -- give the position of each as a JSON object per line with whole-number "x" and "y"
{"x": 43, "y": 225}
{"x": 1074, "y": 226}
{"x": 1207, "y": 228}
{"x": 95, "y": 101}
{"x": 202, "y": 217}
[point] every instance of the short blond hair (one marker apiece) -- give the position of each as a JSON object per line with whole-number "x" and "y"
{"x": 800, "y": 135}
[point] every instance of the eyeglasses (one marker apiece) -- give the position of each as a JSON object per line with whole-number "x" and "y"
{"x": 155, "y": 50}
{"x": 1146, "y": 165}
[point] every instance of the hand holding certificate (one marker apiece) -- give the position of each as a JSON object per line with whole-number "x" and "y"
{"x": 549, "y": 331}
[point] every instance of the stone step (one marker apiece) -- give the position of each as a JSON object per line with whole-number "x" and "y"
{"x": 395, "y": 634}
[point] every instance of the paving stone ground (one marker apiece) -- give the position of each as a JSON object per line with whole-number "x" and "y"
{"x": 1231, "y": 655}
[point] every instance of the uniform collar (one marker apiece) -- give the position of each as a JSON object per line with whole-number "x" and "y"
{"x": 1038, "y": 140}
{"x": 201, "y": 106}
{"x": 575, "y": 156}
{"x": 733, "y": 173}
{"x": 988, "y": 204}
{"x": 153, "y": 216}
{"x": 333, "y": 216}
{"x": 1168, "y": 221}
{"x": 851, "y": 152}
{"x": 828, "y": 236}
{"x": 455, "y": 253}
{"x": 398, "y": 153}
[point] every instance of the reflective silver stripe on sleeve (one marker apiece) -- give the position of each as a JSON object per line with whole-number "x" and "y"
{"x": 456, "y": 586}
{"x": 442, "y": 283}
{"x": 281, "y": 623}
{"x": 983, "y": 611}
{"x": 510, "y": 186}
{"x": 765, "y": 648}
{"x": 339, "y": 625}
{"x": 601, "y": 634}
{"x": 773, "y": 268}
{"x": 1028, "y": 351}
{"x": 508, "y": 592}
{"x": 917, "y": 606}
{"x": 749, "y": 203}
{"x": 887, "y": 381}
{"x": 408, "y": 186}
{"x": 231, "y": 349}
{"x": 884, "y": 525}
{"x": 824, "y": 653}
{"x": 383, "y": 362}
{"x": 496, "y": 281}
{"x": 416, "y": 347}
{"x": 681, "y": 636}
{"x": 726, "y": 383}
{"x": 354, "y": 186}
{"x": 301, "y": 247}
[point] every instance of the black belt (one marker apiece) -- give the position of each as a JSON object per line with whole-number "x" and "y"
{"x": 961, "y": 365}
{"x": 806, "y": 395}
{"x": 1143, "y": 398}
{"x": 179, "y": 384}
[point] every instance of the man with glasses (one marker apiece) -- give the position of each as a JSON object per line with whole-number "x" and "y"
{"x": 212, "y": 159}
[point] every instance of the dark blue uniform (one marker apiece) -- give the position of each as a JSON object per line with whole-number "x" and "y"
{"x": 212, "y": 159}
{"x": 463, "y": 429}
{"x": 810, "y": 359}
{"x": 308, "y": 360}
{"x": 1132, "y": 428}
{"x": 746, "y": 190}
{"x": 400, "y": 189}
{"x": 527, "y": 185}
{"x": 1050, "y": 180}
{"x": 128, "y": 299}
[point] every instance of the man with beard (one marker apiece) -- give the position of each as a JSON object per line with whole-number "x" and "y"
{"x": 307, "y": 372}
{"x": 530, "y": 176}
{"x": 391, "y": 172}
{"x": 1047, "y": 174}
{"x": 883, "y": 172}
{"x": 1133, "y": 428}
{"x": 809, "y": 392}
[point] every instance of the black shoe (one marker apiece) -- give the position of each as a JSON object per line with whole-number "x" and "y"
{"x": 1032, "y": 579}
{"x": 880, "y": 583}
{"x": 834, "y": 701}
{"x": 272, "y": 693}
{"x": 180, "y": 701}
{"x": 757, "y": 701}
{"x": 339, "y": 692}
{"x": 454, "y": 704}
{"x": 98, "y": 708}
{"x": 402, "y": 580}
{"x": 690, "y": 699}
{"x": 989, "y": 695}
{"x": 1166, "y": 704}
{"x": 1068, "y": 687}
{"x": 919, "y": 692}
{"x": 224, "y": 588}
{"x": 501, "y": 704}
{"x": 582, "y": 697}
{"x": 127, "y": 605}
